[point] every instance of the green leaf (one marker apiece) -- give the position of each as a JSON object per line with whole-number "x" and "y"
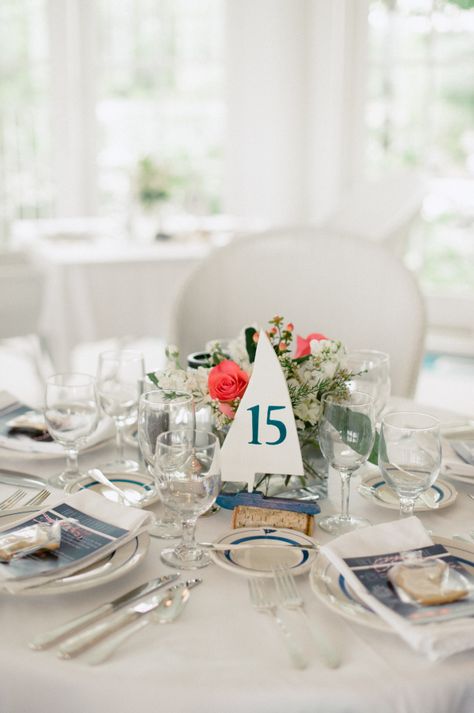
{"x": 152, "y": 377}
{"x": 374, "y": 456}
{"x": 250, "y": 345}
{"x": 356, "y": 429}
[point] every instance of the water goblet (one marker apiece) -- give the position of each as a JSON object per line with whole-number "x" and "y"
{"x": 346, "y": 437}
{"x": 409, "y": 455}
{"x": 187, "y": 471}
{"x": 71, "y": 413}
{"x": 371, "y": 371}
{"x": 161, "y": 410}
{"x": 119, "y": 378}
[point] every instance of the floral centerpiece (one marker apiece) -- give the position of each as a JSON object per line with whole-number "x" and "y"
{"x": 312, "y": 367}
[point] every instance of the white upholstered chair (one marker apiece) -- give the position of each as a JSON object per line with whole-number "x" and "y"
{"x": 382, "y": 210}
{"x": 344, "y": 287}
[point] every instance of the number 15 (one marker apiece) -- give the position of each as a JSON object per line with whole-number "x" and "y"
{"x": 276, "y": 423}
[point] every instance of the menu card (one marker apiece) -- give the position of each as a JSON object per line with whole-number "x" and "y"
{"x": 95, "y": 528}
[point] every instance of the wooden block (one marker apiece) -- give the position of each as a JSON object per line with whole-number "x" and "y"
{"x": 245, "y": 516}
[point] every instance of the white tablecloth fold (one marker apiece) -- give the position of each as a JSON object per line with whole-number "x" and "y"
{"x": 436, "y": 640}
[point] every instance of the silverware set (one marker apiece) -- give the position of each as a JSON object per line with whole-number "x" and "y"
{"x": 270, "y": 596}
{"x": 99, "y": 632}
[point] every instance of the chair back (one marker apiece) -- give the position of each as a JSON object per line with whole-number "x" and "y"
{"x": 21, "y": 293}
{"x": 346, "y": 288}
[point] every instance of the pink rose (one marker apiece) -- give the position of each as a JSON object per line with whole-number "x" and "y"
{"x": 303, "y": 346}
{"x": 227, "y": 381}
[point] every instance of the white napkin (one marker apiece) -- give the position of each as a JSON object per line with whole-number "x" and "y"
{"x": 130, "y": 520}
{"x": 436, "y": 641}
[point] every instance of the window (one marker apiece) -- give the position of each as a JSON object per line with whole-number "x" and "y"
{"x": 110, "y": 99}
{"x": 420, "y": 114}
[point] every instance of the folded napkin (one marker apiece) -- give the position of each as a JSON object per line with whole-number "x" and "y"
{"x": 95, "y": 527}
{"x": 435, "y": 640}
{"x": 10, "y": 409}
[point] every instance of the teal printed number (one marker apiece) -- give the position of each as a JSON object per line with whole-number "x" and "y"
{"x": 275, "y": 422}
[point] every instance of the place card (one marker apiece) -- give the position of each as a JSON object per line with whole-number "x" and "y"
{"x": 263, "y": 436}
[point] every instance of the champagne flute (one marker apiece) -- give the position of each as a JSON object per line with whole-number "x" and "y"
{"x": 71, "y": 413}
{"x": 346, "y": 437}
{"x": 119, "y": 378}
{"x": 371, "y": 371}
{"x": 162, "y": 410}
{"x": 409, "y": 455}
{"x": 187, "y": 490}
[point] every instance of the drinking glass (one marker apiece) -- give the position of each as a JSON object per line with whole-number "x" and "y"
{"x": 187, "y": 470}
{"x": 71, "y": 413}
{"x": 371, "y": 370}
{"x": 119, "y": 378}
{"x": 161, "y": 410}
{"x": 409, "y": 455}
{"x": 346, "y": 437}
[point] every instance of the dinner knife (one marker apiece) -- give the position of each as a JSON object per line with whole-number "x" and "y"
{"x": 61, "y": 632}
{"x": 85, "y": 639}
{"x": 254, "y": 545}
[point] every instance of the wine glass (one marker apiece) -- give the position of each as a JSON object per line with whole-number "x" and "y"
{"x": 187, "y": 470}
{"x": 409, "y": 455}
{"x": 371, "y": 371}
{"x": 161, "y": 410}
{"x": 346, "y": 437}
{"x": 119, "y": 378}
{"x": 71, "y": 413}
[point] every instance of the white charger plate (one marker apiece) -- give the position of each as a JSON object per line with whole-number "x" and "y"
{"x": 441, "y": 494}
{"x": 331, "y": 588}
{"x": 132, "y": 484}
{"x": 110, "y": 567}
{"x": 260, "y": 560}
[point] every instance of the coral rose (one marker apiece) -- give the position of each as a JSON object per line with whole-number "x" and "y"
{"x": 303, "y": 346}
{"x": 227, "y": 381}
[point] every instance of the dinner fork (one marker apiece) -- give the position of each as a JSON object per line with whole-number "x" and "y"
{"x": 38, "y": 498}
{"x": 262, "y": 601}
{"x": 290, "y": 598}
{"x": 12, "y": 499}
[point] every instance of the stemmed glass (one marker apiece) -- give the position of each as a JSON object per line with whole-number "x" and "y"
{"x": 119, "y": 378}
{"x": 409, "y": 455}
{"x": 346, "y": 437}
{"x": 371, "y": 370}
{"x": 187, "y": 470}
{"x": 71, "y": 413}
{"x": 159, "y": 411}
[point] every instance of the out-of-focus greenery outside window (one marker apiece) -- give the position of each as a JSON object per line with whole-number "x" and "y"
{"x": 420, "y": 114}
{"x": 160, "y": 104}
{"x": 25, "y": 153}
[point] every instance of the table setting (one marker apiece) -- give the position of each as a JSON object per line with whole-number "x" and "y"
{"x": 208, "y": 517}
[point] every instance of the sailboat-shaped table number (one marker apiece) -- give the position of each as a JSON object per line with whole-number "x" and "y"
{"x": 263, "y": 436}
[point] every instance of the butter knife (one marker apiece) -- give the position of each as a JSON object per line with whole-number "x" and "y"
{"x": 95, "y": 633}
{"x": 61, "y": 632}
{"x": 223, "y": 547}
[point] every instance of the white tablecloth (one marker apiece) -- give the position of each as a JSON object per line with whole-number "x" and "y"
{"x": 221, "y": 654}
{"x": 101, "y": 290}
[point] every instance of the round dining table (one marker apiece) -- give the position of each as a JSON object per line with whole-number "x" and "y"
{"x": 221, "y": 654}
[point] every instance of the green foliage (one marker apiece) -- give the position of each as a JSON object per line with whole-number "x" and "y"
{"x": 250, "y": 343}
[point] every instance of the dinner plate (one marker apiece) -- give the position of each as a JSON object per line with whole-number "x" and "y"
{"x": 260, "y": 560}
{"x": 331, "y": 587}
{"x": 23, "y": 447}
{"x": 441, "y": 494}
{"x": 110, "y": 567}
{"x": 132, "y": 484}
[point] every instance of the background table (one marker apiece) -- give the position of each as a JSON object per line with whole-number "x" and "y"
{"x": 221, "y": 654}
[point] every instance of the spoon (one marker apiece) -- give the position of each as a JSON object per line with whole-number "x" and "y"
{"x": 130, "y": 499}
{"x": 167, "y": 611}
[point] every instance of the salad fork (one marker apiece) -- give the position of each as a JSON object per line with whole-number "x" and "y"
{"x": 262, "y": 601}
{"x": 38, "y": 498}
{"x": 12, "y": 499}
{"x": 290, "y": 598}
